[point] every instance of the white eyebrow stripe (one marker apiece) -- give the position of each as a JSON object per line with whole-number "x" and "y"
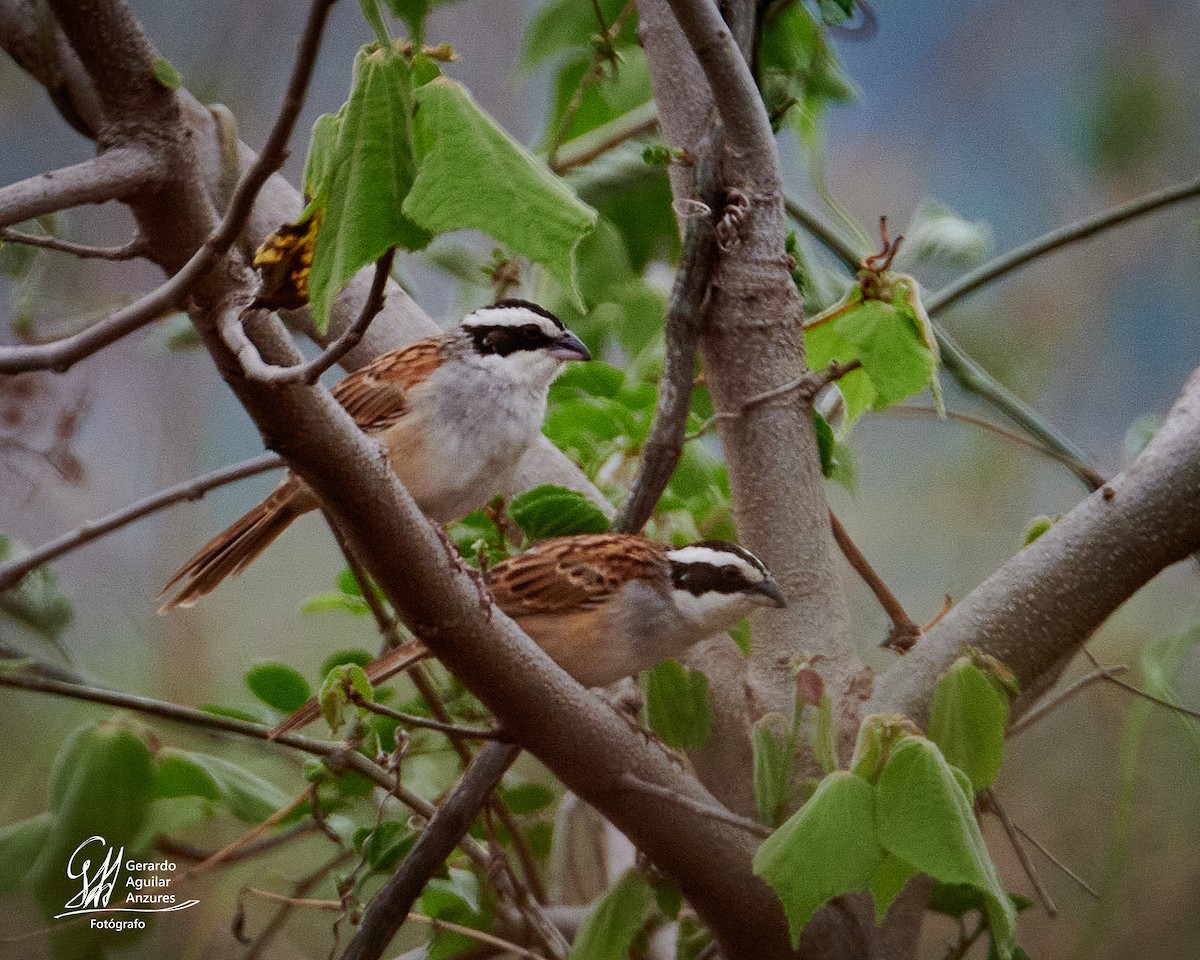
{"x": 511, "y": 317}
{"x": 716, "y": 558}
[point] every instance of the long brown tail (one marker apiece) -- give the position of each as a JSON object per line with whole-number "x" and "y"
{"x": 234, "y": 549}
{"x": 384, "y": 668}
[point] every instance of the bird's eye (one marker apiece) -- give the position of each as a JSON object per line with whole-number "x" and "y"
{"x": 531, "y": 331}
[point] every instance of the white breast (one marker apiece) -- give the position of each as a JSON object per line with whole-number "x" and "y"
{"x": 460, "y": 443}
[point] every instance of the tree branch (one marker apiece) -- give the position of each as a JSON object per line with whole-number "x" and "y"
{"x": 1064, "y": 236}
{"x": 391, "y": 906}
{"x": 751, "y": 338}
{"x": 14, "y": 571}
{"x": 595, "y": 143}
{"x": 1036, "y": 610}
{"x": 664, "y": 445}
{"x": 127, "y": 251}
{"x": 310, "y": 372}
{"x": 61, "y": 355}
{"x": 339, "y": 755}
{"x": 114, "y": 175}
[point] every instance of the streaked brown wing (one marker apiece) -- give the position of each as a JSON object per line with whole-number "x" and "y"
{"x": 573, "y": 573}
{"x": 375, "y": 396}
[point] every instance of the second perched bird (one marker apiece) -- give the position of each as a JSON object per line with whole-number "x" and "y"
{"x": 607, "y": 605}
{"x": 456, "y": 412}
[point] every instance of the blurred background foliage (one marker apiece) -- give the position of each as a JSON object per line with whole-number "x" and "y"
{"x": 972, "y": 125}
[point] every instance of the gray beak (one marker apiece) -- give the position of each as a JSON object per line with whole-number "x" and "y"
{"x": 767, "y": 594}
{"x": 569, "y": 347}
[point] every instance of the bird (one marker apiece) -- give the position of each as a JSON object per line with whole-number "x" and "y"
{"x": 456, "y": 412}
{"x": 608, "y": 605}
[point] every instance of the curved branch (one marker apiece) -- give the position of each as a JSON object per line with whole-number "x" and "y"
{"x": 1057, "y": 239}
{"x": 115, "y": 174}
{"x": 127, "y": 251}
{"x": 14, "y": 571}
{"x": 1035, "y": 611}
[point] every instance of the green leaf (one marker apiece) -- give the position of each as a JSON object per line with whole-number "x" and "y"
{"x": 371, "y": 173}
{"x": 967, "y": 721}
{"x": 564, "y": 26}
{"x": 956, "y": 900}
{"x": 321, "y": 146}
{"x": 19, "y": 845}
{"x": 169, "y": 815}
{"x": 528, "y": 797}
{"x": 550, "y": 511}
{"x": 610, "y": 930}
{"x": 336, "y": 601}
{"x": 353, "y": 655}
{"x": 473, "y": 175}
{"x": 246, "y": 795}
{"x": 101, "y": 785}
{"x": 383, "y": 847}
{"x": 926, "y": 819}
{"x": 165, "y": 73}
{"x": 891, "y": 348}
{"x": 677, "y": 705}
{"x": 836, "y": 11}
{"x": 827, "y": 848}
{"x": 334, "y": 695}
{"x": 178, "y": 775}
{"x": 36, "y": 601}
{"x": 774, "y": 757}
{"x": 887, "y": 884}
{"x": 1037, "y": 526}
{"x": 1160, "y": 661}
{"x": 278, "y": 686}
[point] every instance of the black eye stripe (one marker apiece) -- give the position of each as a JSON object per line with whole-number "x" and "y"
{"x": 506, "y": 340}
{"x": 698, "y": 578}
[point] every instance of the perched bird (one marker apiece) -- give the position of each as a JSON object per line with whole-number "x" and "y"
{"x": 607, "y": 605}
{"x": 456, "y": 412}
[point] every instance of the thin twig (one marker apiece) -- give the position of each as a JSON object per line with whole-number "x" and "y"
{"x": 436, "y": 923}
{"x": 127, "y": 251}
{"x": 338, "y": 754}
{"x": 1137, "y": 691}
{"x": 11, "y": 573}
{"x": 309, "y": 372}
{"x": 685, "y": 314}
{"x": 826, "y": 235}
{"x": 228, "y": 852}
{"x": 904, "y": 632}
{"x": 992, "y": 803}
{"x": 183, "y": 851}
{"x": 112, "y": 175}
{"x": 299, "y": 891}
{"x": 632, "y": 781}
{"x": 1041, "y": 710}
{"x": 387, "y": 910}
{"x": 584, "y": 149}
{"x": 1057, "y": 239}
{"x": 808, "y": 384}
{"x": 593, "y": 73}
{"x": 1087, "y": 887}
{"x": 412, "y": 720}
{"x": 1089, "y": 477}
